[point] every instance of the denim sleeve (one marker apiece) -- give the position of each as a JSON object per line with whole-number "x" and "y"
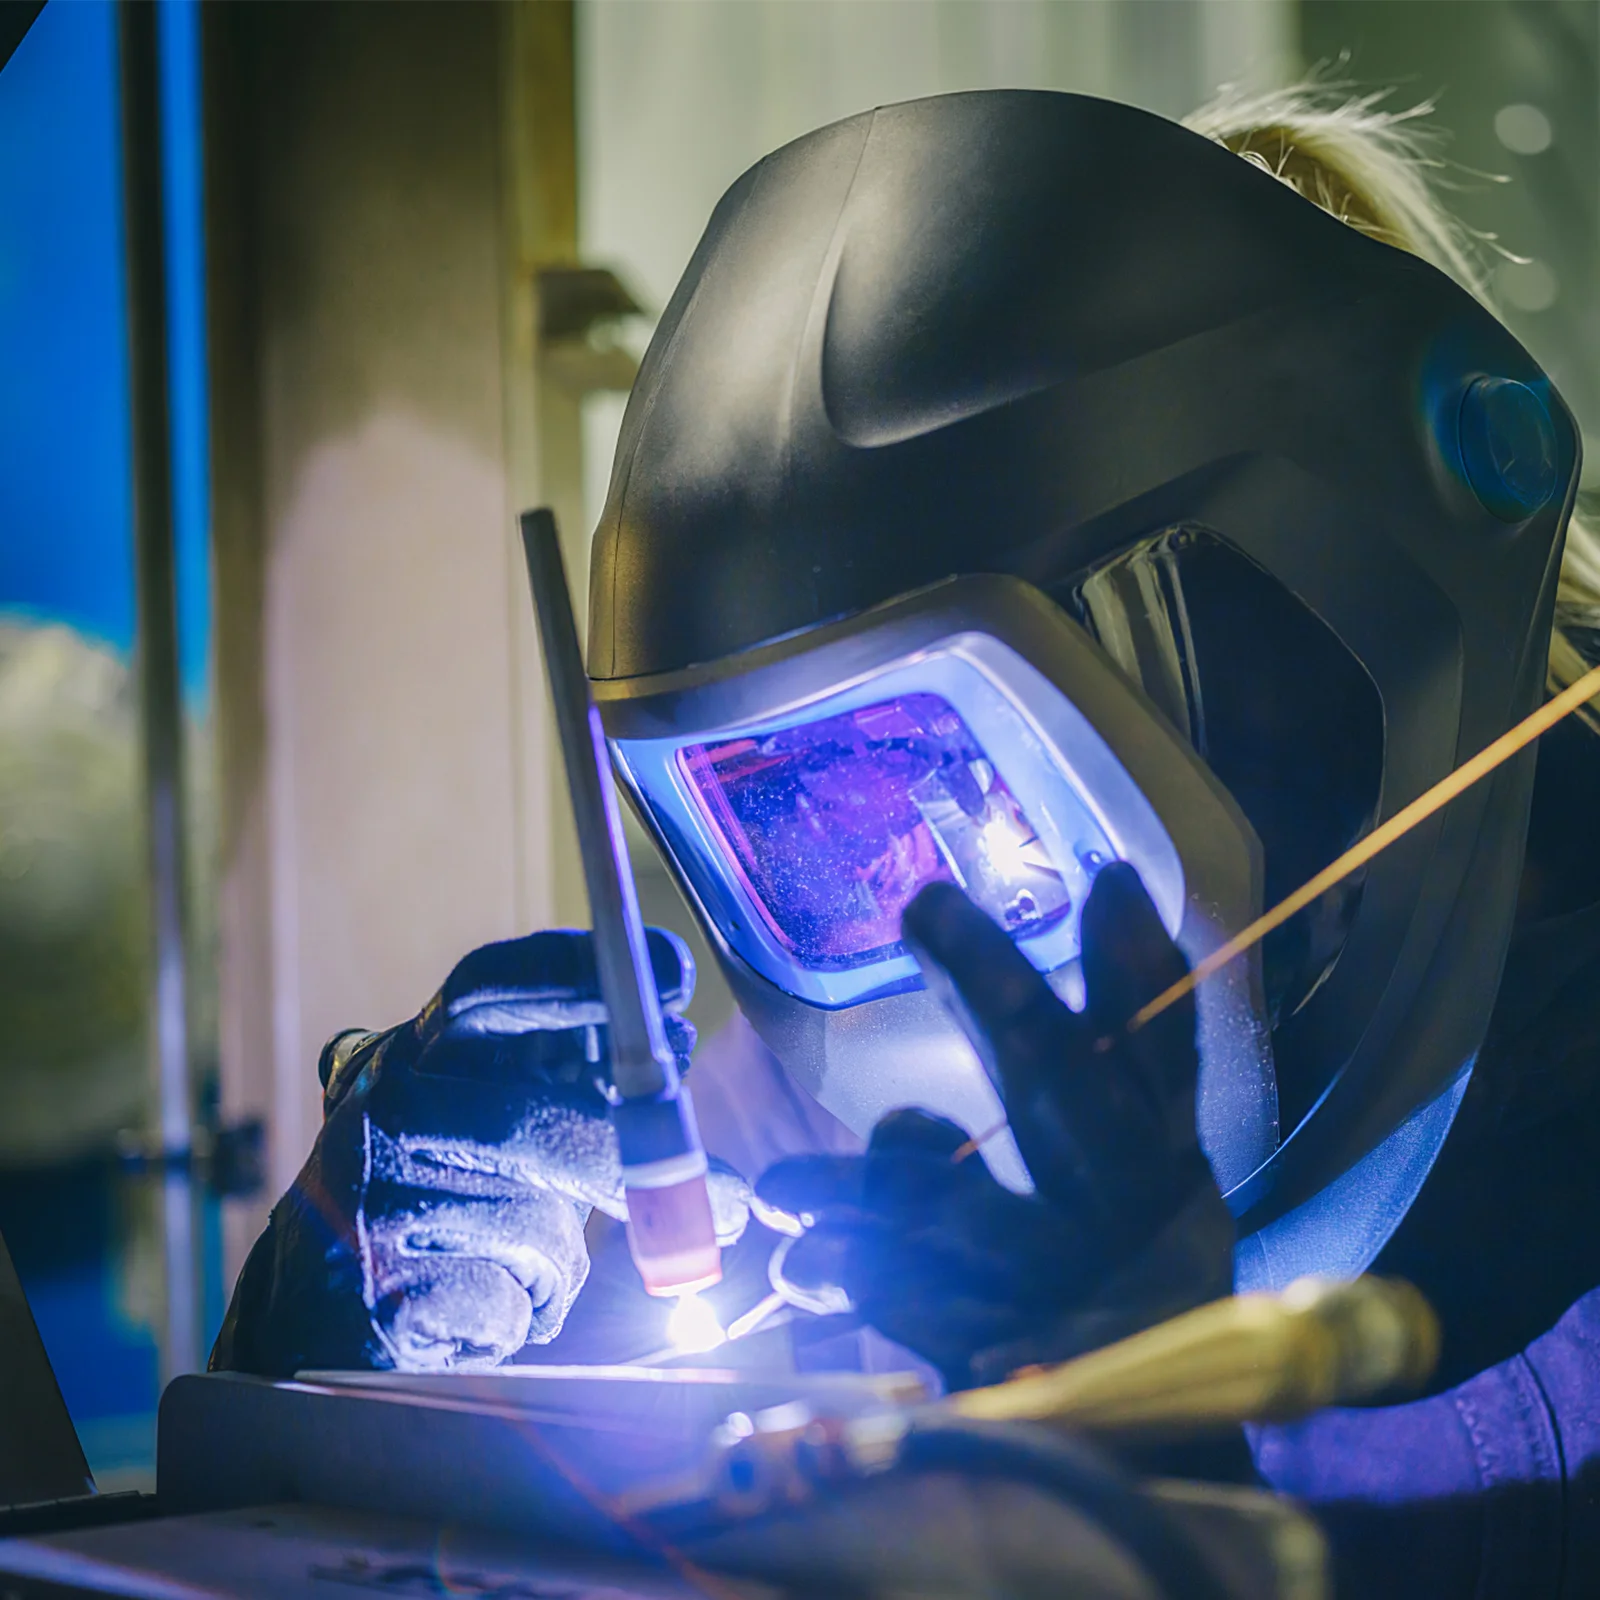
{"x": 1491, "y": 1489}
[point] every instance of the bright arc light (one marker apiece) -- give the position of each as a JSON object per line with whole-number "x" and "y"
{"x": 693, "y": 1326}
{"x": 1007, "y": 852}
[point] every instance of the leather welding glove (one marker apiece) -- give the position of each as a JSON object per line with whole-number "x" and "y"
{"x": 438, "y": 1222}
{"x": 1126, "y": 1225}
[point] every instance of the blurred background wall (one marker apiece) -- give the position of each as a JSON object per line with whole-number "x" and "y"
{"x": 380, "y": 745}
{"x": 414, "y": 251}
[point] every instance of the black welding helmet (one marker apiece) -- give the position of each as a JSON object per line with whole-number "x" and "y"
{"x": 1017, "y": 481}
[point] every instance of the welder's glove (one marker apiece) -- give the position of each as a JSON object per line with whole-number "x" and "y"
{"x": 1126, "y": 1225}
{"x": 438, "y": 1222}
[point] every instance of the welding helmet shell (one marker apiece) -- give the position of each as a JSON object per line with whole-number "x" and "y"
{"x": 1017, "y": 480}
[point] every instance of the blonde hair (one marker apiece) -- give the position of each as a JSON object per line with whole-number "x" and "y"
{"x": 1378, "y": 170}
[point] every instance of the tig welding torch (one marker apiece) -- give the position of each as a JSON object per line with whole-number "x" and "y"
{"x": 670, "y": 1228}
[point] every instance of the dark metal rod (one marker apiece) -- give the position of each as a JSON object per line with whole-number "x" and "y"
{"x": 40, "y": 1457}
{"x": 16, "y": 17}
{"x": 157, "y": 653}
{"x": 641, "y": 1061}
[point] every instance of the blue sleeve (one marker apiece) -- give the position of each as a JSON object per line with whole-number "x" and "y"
{"x": 1490, "y": 1489}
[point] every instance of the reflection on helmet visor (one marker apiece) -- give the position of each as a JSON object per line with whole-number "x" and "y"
{"x": 835, "y": 825}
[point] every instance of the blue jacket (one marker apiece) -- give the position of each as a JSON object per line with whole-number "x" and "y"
{"x": 1490, "y": 1487}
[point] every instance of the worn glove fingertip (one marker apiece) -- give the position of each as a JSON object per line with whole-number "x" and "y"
{"x": 968, "y": 960}
{"x": 1119, "y": 907}
{"x": 1128, "y": 955}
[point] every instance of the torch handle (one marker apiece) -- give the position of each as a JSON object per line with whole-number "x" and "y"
{"x": 641, "y": 1062}
{"x": 670, "y": 1228}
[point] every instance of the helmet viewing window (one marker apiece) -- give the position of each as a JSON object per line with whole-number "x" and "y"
{"x": 836, "y": 824}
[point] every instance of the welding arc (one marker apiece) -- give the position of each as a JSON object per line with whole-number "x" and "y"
{"x": 1357, "y": 856}
{"x": 1360, "y": 853}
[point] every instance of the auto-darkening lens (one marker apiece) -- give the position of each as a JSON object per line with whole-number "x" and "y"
{"x": 834, "y": 826}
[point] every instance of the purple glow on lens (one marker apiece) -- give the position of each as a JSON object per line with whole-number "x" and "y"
{"x": 833, "y": 826}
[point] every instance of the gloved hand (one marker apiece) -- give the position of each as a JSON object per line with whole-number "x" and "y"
{"x": 438, "y": 1222}
{"x": 1126, "y": 1225}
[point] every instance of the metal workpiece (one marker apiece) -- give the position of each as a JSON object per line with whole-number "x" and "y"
{"x": 931, "y": 1536}
{"x": 266, "y": 1552}
{"x": 559, "y": 1459}
{"x": 832, "y": 1482}
{"x": 785, "y": 1456}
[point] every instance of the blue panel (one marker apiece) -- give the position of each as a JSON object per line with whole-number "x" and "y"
{"x": 65, "y": 509}
{"x": 65, "y": 514}
{"x": 179, "y": 22}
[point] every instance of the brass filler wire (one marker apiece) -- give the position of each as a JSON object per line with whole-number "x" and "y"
{"x": 1363, "y": 850}
{"x": 1358, "y": 855}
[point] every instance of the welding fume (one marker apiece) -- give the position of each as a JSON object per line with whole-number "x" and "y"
{"x": 1042, "y": 537}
